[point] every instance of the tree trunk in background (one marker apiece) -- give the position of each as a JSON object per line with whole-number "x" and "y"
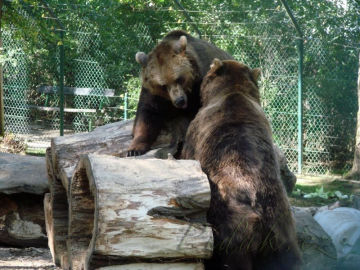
{"x": 355, "y": 171}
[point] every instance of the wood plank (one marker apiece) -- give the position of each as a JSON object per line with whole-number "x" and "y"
{"x": 77, "y": 91}
{"x": 57, "y": 109}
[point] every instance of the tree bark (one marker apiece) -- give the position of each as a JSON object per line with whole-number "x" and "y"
{"x": 111, "y": 139}
{"x": 355, "y": 170}
{"x": 130, "y": 210}
{"x": 56, "y": 216}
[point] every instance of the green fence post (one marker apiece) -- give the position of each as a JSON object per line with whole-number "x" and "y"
{"x": 125, "y": 105}
{"x": 2, "y": 105}
{"x": 2, "y": 110}
{"x": 300, "y": 105}
{"x": 61, "y": 105}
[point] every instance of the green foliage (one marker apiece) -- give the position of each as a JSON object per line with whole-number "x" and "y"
{"x": 319, "y": 192}
{"x": 319, "y": 195}
{"x": 102, "y": 37}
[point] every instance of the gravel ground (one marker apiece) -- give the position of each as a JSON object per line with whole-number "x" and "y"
{"x": 26, "y": 258}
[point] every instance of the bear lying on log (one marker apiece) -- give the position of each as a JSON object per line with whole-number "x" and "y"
{"x": 171, "y": 76}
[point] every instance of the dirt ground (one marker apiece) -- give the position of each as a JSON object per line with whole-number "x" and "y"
{"x": 26, "y": 258}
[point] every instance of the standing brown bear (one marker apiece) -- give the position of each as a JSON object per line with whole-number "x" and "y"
{"x": 231, "y": 137}
{"x": 171, "y": 76}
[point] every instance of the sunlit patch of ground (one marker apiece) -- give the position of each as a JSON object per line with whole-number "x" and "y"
{"x": 25, "y": 258}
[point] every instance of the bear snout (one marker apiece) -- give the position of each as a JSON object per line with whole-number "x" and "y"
{"x": 180, "y": 102}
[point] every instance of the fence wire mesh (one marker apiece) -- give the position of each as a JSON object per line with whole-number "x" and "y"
{"x": 99, "y": 57}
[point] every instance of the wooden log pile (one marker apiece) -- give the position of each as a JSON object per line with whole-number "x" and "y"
{"x": 105, "y": 211}
{"x": 127, "y": 213}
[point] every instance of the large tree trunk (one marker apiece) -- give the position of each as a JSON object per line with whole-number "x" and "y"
{"x": 355, "y": 171}
{"x": 114, "y": 139}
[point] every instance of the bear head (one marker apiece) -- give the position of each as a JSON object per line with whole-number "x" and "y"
{"x": 230, "y": 75}
{"x": 167, "y": 71}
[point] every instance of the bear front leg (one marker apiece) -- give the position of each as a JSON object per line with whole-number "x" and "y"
{"x": 147, "y": 126}
{"x": 145, "y": 131}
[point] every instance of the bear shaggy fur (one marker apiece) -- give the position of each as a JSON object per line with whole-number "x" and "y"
{"x": 171, "y": 76}
{"x": 231, "y": 137}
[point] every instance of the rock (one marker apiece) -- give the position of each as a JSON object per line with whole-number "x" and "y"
{"x": 343, "y": 226}
{"x": 356, "y": 202}
{"x": 317, "y": 248}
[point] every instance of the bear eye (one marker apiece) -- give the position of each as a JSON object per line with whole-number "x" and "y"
{"x": 163, "y": 87}
{"x": 180, "y": 80}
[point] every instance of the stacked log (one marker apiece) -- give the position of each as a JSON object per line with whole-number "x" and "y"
{"x": 104, "y": 210}
{"x": 23, "y": 183}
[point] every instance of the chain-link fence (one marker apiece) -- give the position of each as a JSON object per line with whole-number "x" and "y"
{"x": 101, "y": 76}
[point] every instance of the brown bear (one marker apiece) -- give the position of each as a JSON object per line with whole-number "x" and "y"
{"x": 171, "y": 76}
{"x": 231, "y": 137}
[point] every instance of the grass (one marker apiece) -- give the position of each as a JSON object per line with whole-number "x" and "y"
{"x": 308, "y": 184}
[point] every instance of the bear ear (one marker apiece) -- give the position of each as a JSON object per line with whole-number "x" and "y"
{"x": 180, "y": 45}
{"x": 256, "y": 73}
{"x": 216, "y": 65}
{"x": 141, "y": 58}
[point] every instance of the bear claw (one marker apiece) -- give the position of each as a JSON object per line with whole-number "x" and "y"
{"x": 134, "y": 153}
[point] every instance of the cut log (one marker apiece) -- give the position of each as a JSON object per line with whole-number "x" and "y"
{"x": 22, "y": 185}
{"x": 115, "y": 138}
{"x": 22, "y": 174}
{"x": 56, "y": 216}
{"x": 112, "y": 139}
{"x": 129, "y": 210}
{"x": 109, "y": 139}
